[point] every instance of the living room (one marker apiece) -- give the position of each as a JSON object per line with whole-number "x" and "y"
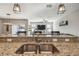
{"x": 65, "y": 22}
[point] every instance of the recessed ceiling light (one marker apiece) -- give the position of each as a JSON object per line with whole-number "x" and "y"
{"x": 8, "y": 14}
{"x": 49, "y": 6}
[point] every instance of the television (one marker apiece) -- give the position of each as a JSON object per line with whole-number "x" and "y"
{"x": 41, "y": 27}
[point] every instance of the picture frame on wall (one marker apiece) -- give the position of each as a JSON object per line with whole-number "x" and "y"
{"x": 63, "y": 23}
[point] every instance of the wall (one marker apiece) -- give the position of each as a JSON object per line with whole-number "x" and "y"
{"x": 73, "y": 24}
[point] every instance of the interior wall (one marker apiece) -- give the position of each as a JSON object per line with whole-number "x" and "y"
{"x": 73, "y": 24}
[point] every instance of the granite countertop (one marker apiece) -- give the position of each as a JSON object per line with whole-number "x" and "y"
{"x": 31, "y": 38}
{"x": 42, "y": 35}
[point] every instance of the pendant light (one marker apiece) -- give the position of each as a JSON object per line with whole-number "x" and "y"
{"x": 16, "y": 8}
{"x": 8, "y": 21}
{"x": 7, "y": 24}
{"x": 61, "y": 9}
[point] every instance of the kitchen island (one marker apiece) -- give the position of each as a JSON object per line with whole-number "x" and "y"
{"x": 62, "y": 45}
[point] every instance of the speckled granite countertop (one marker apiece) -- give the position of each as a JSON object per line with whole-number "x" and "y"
{"x": 42, "y": 38}
{"x": 41, "y": 35}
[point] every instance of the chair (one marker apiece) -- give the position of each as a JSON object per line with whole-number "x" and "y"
{"x": 55, "y": 32}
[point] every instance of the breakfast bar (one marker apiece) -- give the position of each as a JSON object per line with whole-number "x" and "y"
{"x": 38, "y": 44}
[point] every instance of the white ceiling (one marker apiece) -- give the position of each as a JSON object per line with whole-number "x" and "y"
{"x": 36, "y": 10}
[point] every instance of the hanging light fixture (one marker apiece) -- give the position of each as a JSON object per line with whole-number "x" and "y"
{"x": 61, "y": 9}
{"x": 16, "y": 8}
{"x": 8, "y": 21}
{"x": 7, "y": 24}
